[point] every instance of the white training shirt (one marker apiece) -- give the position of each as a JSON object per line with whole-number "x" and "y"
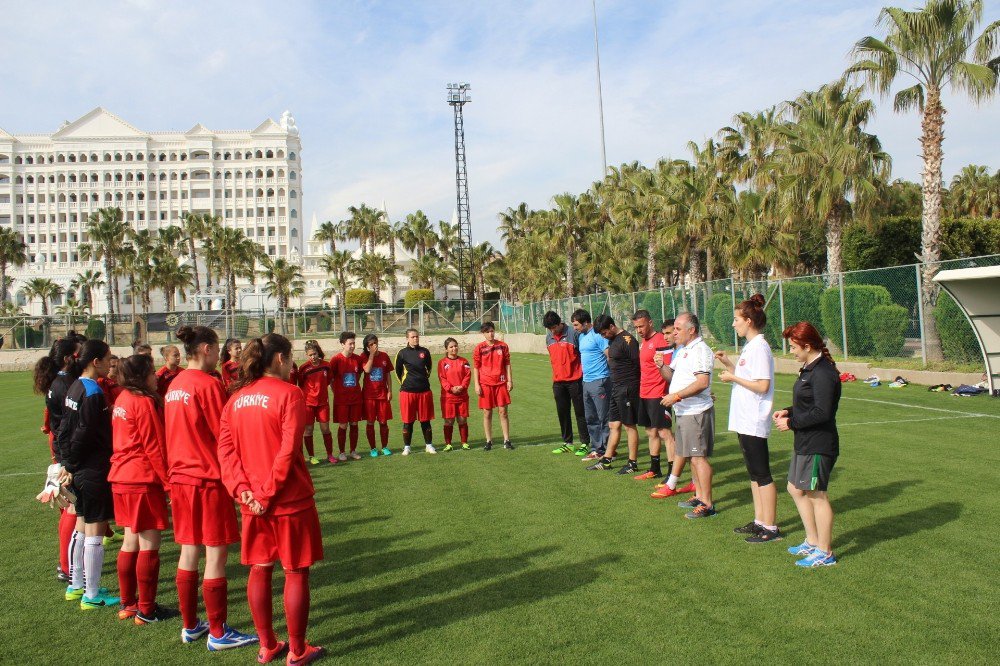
{"x": 749, "y": 412}
{"x": 694, "y": 358}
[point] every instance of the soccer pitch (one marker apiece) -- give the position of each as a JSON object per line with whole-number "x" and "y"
{"x": 525, "y": 557}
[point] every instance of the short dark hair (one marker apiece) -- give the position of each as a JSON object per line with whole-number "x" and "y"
{"x": 603, "y": 323}
{"x": 550, "y": 319}
{"x": 667, "y": 322}
{"x": 487, "y": 326}
{"x": 581, "y": 316}
{"x": 642, "y": 314}
{"x": 345, "y": 336}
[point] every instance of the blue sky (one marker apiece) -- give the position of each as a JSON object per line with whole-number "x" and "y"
{"x": 365, "y": 81}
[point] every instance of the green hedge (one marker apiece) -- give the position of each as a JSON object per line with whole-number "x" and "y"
{"x": 958, "y": 340}
{"x": 355, "y": 298}
{"x": 801, "y": 303}
{"x": 324, "y": 323}
{"x": 414, "y": 296}
{"x": 96, "y": 330}
{"x": 859, "y": 301}
{"x": 241, "y": 326}
{"x": 887, "y": 324}
{"x": 27, "y": 337}
{"x": 719, "y": 316}
{"x": 654, "y": 303}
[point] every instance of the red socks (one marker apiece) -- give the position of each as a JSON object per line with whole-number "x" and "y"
{"x": 259, "y": 599}
{"x": 67, "y": 523}
{"x": 354, "y": 437}
{"x": 384, "y": 434}
{"x": 463, "y": 432}
{"x": 328, "y": 443}
{"x": 297, "y": 608}
{"x": 342, "y": 439}
{"x": 148, "y": 576}
{"x": 187, "y": 596}
{"x": 126, "y": 577}
{"x": 449, "y": 429}
{"x": 370, "y": 434}
{"x": 310, "y": 449}
{"x": 213, "y": 591}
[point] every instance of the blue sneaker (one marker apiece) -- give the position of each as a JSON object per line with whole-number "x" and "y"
{"x": 374, "y": 453}
{"x": 804, "y": 548}
{"x": 692, "y": 503}
{"x": 817, "y": 558}
{"x": 102, "y": 600}
{"x": 191, "y": 635}
{"x": 230, "y": 639}
{"x": 387, "y": 451}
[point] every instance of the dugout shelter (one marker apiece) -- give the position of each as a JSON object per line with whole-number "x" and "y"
{"x": 977, "y": 292}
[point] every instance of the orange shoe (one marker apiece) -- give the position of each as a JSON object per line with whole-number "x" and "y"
{"x": 265, "y": 656}
{"x": 645, "y": 476}
{"x": 127, "y": 612}
{"x": 665, "y": 492}
{"x": 689, "y": 488}
{"x": 311, "y": 654}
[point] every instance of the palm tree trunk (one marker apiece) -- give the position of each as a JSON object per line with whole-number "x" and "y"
{"x": 194, "y": 260}
{"x": 392, "y": 260}
{"x": 694, "y": 275}
{"x": 342, "y": 294}
{"x": 931, "y": 138}
{"x": 834, "y": 242}
{"x": 570, "y": 251}
{"x": 3, "y": 282}
{"x": 651, "y": 258}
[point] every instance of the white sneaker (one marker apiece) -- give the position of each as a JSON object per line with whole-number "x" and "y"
{"x": 355, "y": 455}
{"x": 406, "y": 450}
{"x": 430, "y": 449}
{"x": 342, "y": 457}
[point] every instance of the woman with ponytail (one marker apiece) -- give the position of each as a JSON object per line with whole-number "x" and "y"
{"x": 139, "y": 485}
{"x": 813, "y": 419}
{"x": 84, "y": 446}
{"x": 54, "y": 374}
{"x": 264, "y": 469}
{"x": 202, "y": 511}
{"x": 752, "y": 377}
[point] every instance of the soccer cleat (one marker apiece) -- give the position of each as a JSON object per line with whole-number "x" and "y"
{"x": 230, "y": 639}
{"x": 599, "y": 465}
{"x": 332, "y": 460}
{"x": 689, "y": 488}
{"x": 701, "y": 511}
{"x": 429, "y": 448}
{"x": 817, "y": 558}
{"x": 764, "y": 535}
{"x": 508, "y": 445}
{"x": 645, "y": 476}
{"x": 128, "y": 612}
{"x": 374, "y": 453}
{"x": 664, "y": 493}
{"x": 582, "y": 450}
{"x": 116, "y": 537}
{"x": 62, "y": 576}
{"x": 804, "y": 548}
{"x": 591, "y": 456}
{"x": 102, "y": 600}
{"x": 342, "y": 457}
{"x": 448, "y": 447}
{"x": 406, "y": 450}
{"x": 312, "y": 653}
{"x": 750, "y": 528}
{"x": 565, "y": 448}
{"x": 313, "y": 460}
{"x": 191, "y": 635}
{"x": 355, "y": 455}
{"x": 488, "y": 446}
{"x": 692, "y": 503}
{"x": 387, "y": 451}
{"x": 76, "y": 593}
{"x": 265, "y": 656}
{"x": 629, "y": 468}
{"x": 465, "y": 446}
{"x": 159, "y": 614}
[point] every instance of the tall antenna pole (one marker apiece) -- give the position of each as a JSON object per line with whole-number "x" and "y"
{"x": 600, "y": 99}
{"x": 458, "y": 97}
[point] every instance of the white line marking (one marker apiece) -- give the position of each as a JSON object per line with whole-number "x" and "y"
{"x": 903, "y": 404}
{"x": 3, "y": 476}
{"x": 932, "y": 418}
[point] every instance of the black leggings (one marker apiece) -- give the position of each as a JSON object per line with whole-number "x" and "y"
{"x": 567, "y": 395}
{"x": 757, "y": 459}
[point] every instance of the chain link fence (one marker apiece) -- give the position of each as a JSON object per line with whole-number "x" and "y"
{"x": 864, "y": 315}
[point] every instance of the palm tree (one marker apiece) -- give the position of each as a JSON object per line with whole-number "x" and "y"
{"x": 172, "y": 277}
{"x": 73, "y": 310}
{"x": 974, "y": 192}
{"x": 429, "y": 272}
{"x": 480, "y": 257}
{"x": 235, "y": 256}
{"x": 145, "y": 246}
{"x": 13, "y": 252}
{"x": 449, "y": 240}
{"x": 44, "y": 289}
{"x": 85, "y": 283}
{"x": 330, "y": 232}
{"x": 337, "y": 265}
{"x": 418, "y": 234}
{"x": 362, "y": 226}
{"x": 384, "y": 232}
{"x": 283, "y": 280}
{"x": 107, "y": 232}
{"x": 936, "y": 46}
{"x": 372, "y": 270}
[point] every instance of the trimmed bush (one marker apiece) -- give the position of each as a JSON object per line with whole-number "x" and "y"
{"x": 801, "y": 303}
{"x": 241, "y": 326}
{"x": 716, "y": 304}
{"x": 414, "y": 296}
{"x": 651, "y": 301}
{"x": 958, "y": 340}
{"x": 356, "y": 298}
{"x": 269, "y": 325}
{"x": 26, "y": 337}
{"x": 887, "y": 324}
{"x": 96, "y": 330}
{"x": 859, "y": 301}
{"x": 324, "y": 323}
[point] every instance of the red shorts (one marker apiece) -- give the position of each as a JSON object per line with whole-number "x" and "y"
{"x": 378, "y": 410}
{"x": 294, "y": 539}
{"x": 494, "y": 396}
{"x": 416, "y": 406}
{"x": 203, "y": 515}
{"x": 319, "y": 413}
{"x": 347, "y": 413}
{"x": 140, "y": 506}
{"x": 451, "y": 409}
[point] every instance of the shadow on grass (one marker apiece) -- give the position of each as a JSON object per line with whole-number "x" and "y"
{"x": 505, "y": 590}
{"x": 894, "y": 527}
{"x": 367, "y": 566}
{"x": 332, "y": 526}
{"x": 864, "y": 497}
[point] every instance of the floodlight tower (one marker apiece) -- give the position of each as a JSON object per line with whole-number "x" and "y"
{"x": 458, "y": 97}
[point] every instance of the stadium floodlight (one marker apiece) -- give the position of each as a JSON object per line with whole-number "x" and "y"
{"x": 458, "y": 96}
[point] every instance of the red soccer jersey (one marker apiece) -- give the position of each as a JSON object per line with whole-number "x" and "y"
{"x": 491, "y": 362}
{"x": 293, "y": 376}
{"x": 454, "y": 372}
{"x": 139, "y": 441}
{"x": 110, "y": 388}
{"x": 314, "y": 380}
{"x": 192, "y": 409}
{"x": 345, "y": 377}
{"x": 651, "y": 383}
{"x": 376, "y": 386}
{"x": 260, "y": 446}
{"x": 230, "y": 371}
{"x": 163, "y": 378}
{"x": 564, "y": 356}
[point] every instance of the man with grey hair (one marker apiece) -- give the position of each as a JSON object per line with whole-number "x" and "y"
{"x": 690, "y": 394}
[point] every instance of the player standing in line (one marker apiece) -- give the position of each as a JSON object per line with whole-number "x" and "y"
{"x": 202, "y": 509}
{"x": 455, "y": 373}
{"x": 669, "y": 486}
{"x": 416, "y": 402}
{"x": 54, "y": 374}
{"x": 346, "y": 369}
{"x": 139, "y": 485}
{"x": 652, "y": 387}
{"x": 230, "y": 367}
{"x": 750, "y": 409}
{"x": 377, "y": 393}
{"x": 623, "y": 361}
{"x": 493, "y": 382}
{"x": 314, "y": 380}
{"x": 567, "y": 382}
{"x": 171, "y": 368}
{"x": 596, "y": 383}
{"x": 85, "y": 450}
{"x": 109, "y": 383}
{"x": 259, "y": 445}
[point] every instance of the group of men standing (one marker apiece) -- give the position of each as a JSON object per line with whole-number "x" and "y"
{"x": 614, "y": 380}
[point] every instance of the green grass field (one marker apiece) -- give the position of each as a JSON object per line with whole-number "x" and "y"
{"x": 524, "y": 557}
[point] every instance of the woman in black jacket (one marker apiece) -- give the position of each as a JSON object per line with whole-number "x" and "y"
{"x": 84, "y": 444}
{"x": 813, "y": 419}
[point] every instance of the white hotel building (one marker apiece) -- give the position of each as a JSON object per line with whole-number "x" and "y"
{"x": 51, "y": 183}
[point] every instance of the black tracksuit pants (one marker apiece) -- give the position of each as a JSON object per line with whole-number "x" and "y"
{"x": 569, "y": 394}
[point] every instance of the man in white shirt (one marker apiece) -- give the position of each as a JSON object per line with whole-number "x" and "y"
{"x": 690, "y": 394}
